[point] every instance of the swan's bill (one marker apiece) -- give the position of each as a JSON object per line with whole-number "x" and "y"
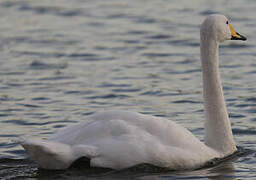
{"x": 235, "y": 35}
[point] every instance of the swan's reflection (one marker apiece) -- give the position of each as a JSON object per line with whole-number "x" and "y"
{"x": 223, "y": 171}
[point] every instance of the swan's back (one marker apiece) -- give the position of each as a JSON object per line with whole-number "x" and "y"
{"x": 120, "y": 124}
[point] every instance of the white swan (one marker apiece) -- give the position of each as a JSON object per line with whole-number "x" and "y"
{"x": 121, "y": 139}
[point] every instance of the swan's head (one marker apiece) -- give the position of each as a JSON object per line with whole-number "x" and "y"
{"x": 217, "y": 26}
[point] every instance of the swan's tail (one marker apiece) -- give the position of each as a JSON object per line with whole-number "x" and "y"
{"x": 48, "y": 154}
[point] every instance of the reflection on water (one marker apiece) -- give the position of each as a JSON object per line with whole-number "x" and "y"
{"x": 226, "y": 171}
{"x": 27, "y": 169}
{"x": 63, "y": 60}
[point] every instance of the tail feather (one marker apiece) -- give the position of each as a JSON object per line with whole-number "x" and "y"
{"x": 48, "y": 154}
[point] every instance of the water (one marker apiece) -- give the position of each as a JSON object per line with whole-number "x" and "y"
{"x": 62, "y": 60}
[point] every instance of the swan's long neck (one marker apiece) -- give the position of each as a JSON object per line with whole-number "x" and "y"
{"x": 218, "y": 133}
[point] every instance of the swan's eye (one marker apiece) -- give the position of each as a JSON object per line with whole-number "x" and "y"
{"x": 227, "y": 22}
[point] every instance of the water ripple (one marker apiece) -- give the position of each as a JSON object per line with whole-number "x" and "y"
{"x": 26, "y": 123}
{"x": 41, "y": 65}
{"x": 109, "y": 96}
{"x": 160, "y": 36}
{"x": 51, "y": 10}
{"x": 244, "y": 131}
{"x": 186, "y": 101}
{"x": 162, "y": 54}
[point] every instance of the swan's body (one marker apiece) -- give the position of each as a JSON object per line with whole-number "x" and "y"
{"x": 121, "y": 139}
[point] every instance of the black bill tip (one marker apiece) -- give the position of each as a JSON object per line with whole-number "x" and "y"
{"x": 238, "y": 37}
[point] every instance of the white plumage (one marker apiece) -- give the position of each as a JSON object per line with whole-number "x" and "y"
{"x": 121, "y": 139}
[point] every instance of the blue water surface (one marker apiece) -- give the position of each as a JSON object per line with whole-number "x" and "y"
{"x": 62, "y": 60}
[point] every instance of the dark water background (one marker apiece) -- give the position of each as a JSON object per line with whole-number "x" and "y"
{"x": 61, "y": 60}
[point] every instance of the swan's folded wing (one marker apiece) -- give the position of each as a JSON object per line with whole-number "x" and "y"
{"x": 49, "y": 154}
